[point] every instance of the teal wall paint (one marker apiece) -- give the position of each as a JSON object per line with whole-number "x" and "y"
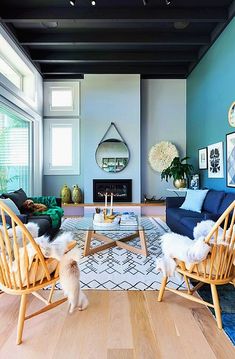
{"x": 210, "y": 92}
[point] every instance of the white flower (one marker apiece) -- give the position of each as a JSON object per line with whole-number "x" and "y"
{"x": 161, "y": 155}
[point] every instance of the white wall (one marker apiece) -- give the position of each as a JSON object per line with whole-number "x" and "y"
{"x": 163, "y": 116}
{"x": 106, "y": 99}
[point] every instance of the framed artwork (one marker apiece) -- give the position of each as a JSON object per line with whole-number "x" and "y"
{"x": 216, "y": 160}
{"x": 194, "y": 182}
{"x": 202, "y": 158}
{"x": 230, "y": 155}
{"x": 231, "y": 115}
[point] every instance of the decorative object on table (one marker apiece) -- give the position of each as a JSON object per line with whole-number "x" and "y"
{"x": 65, "y": 194}
{"x": 179, "y": 171}
{"x": 230, "y": 155}
{"x": 231, "y": 115}
{"x": 215, "y": 160}
{"x": 112, "y": 154}
{"x": 76, "y": 194}
{"x": 194, "y": 182}
{"x": 108, "y": 210}
{"x": 202, "y": 159}
{"x": 161, "y": 155}
{"x": 98, "y": 216}
{"x": 153, "y": 199}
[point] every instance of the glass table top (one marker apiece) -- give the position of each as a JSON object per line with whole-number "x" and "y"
{"x": 86, "y": 224}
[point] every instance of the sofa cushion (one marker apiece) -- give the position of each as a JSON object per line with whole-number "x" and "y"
{"x": 190, "y": 222}
{"x": 43, "y": 223}
{"x": 194, "y": 200}
{"x": 213, "y": 201}
{"x": 178, "y": 213}
{"x": 18, "y": 197}
{"x": 228, "y": 199}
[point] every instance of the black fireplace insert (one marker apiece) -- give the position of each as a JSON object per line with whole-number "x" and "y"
{"x": 121, "y": 189}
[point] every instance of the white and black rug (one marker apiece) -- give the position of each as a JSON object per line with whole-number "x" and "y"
{"x": 119, "y": 269}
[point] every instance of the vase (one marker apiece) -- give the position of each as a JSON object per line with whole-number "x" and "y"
{"x": 76, "y": 194}
{"x": 65, "y": 194}
{"x": 180, "y": 183}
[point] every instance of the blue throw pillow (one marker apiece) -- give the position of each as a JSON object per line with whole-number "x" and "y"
{"x": 194, "y": 200}
{"x": 11, "y": 205}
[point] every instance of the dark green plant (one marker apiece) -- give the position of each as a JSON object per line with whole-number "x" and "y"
{"x": 177, "y": 169}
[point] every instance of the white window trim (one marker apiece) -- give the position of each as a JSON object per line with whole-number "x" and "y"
{"x": 73, "y": 110}
{"x": 63, "y": 170}
{"x": 29, "y": 95}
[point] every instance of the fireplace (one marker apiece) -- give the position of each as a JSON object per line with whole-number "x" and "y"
{"x": 121, "y": 189}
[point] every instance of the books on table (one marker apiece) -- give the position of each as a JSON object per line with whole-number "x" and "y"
{"x": 128, "y": 220}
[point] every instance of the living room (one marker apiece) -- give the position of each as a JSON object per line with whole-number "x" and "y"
{"x": 153, "y": 80}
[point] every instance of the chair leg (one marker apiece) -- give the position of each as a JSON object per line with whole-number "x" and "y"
{"x": 51, "y": 293}
{"x": 187, "y": 283}
{"x": 21, "y": 318}
{"x": 216, "y": 305}
{"x": 162, "y": 289}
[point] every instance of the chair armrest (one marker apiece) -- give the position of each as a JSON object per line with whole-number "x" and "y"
{"x": 174, "y": 202}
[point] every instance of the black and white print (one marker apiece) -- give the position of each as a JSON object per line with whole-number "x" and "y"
{"x": 216, "y": 160}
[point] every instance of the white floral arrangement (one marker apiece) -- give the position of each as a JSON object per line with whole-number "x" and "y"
{"x": 161, "y": 155}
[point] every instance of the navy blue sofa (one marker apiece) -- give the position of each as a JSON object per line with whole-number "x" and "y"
{"x": 183, "y": 221}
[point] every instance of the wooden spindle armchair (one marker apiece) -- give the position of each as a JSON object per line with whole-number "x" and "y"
{"x": 23, "y": 268}
{"x": 216, "y": 269}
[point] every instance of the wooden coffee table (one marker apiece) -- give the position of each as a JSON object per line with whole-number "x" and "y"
{"x": 102, "y": 234}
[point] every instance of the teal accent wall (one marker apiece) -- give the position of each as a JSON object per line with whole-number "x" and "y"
{"x": 210, "y": 92}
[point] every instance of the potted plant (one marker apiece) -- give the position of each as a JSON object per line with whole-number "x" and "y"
{"x": 179, "y": 170}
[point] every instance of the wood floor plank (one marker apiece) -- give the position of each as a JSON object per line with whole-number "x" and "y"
{"x": 84, "y": 334}
{"x": 164, "y": 328}
{"x": 216, "y": 338}
{"x": 120, "y": 354}
{"x": 144, "y": 340}
{"x": 128, "y": 325}
{"x": 181, "y": 313}
{"x": 120, "y": 330}
{"x": 41, "y": 334}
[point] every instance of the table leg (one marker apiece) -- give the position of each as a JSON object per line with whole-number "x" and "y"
{"x": 144, "y": 249}
{"x": 87, "y": 245}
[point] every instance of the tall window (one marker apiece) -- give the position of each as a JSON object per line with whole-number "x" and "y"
{"x": 61, "y": 127}
{"x": 14, "y": 152}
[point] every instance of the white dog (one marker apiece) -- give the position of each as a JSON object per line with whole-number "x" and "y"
{"x": 70, "y": 280}
{"x": 183, "y": 248}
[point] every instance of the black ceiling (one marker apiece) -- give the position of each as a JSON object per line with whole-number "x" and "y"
{"x": 155, "y": 40}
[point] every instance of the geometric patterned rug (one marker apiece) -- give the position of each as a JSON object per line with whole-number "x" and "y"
{"x": 119, "y": 269}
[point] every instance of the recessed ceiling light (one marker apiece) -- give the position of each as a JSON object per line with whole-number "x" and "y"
{"x": 72, "y": 2}
{"x": 93, "y": 3}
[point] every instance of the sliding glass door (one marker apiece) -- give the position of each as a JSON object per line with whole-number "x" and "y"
{"x": 15, "y": 151}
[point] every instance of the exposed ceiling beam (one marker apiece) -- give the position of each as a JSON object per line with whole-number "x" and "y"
{"x": 62, "y": 69}
{"x": 31, "y": 38}
{"x": 139, "y": 15}
{"x": 109, "y": 57}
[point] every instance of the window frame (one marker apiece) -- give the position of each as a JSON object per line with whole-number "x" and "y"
{"x": 29, "y": 120}
{"x": 73, "y": 110}
{"x": 49, "y": 123}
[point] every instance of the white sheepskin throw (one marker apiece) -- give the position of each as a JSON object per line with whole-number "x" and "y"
{"x": 176, "y": 246}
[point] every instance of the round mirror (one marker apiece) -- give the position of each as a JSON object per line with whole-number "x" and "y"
{"x": 112, "y": 155}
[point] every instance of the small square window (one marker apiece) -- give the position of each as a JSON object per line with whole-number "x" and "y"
{"x": 61, "y": 98}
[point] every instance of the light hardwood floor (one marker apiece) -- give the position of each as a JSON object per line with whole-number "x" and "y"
{"x": 116, "y": 325}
